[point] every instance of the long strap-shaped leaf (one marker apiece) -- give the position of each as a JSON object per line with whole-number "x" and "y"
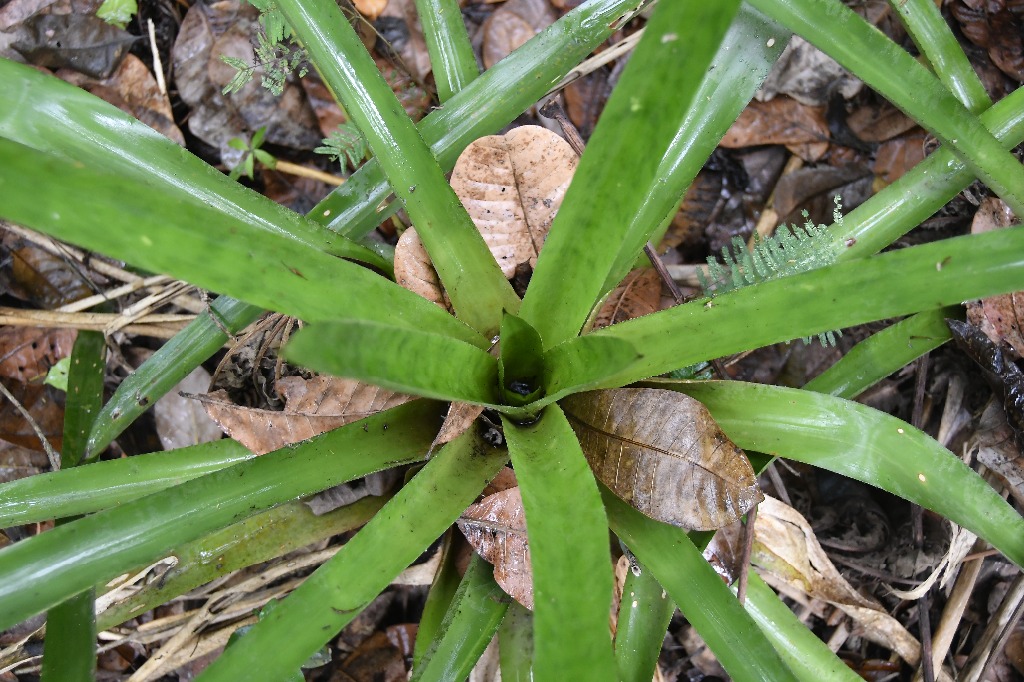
{"x": 43, "y": 570}
{"x": 889, "y": 285}
{"x": 846, "y": 37}
{"x": 750, "y": 47}
{"x": 335, "y": 594}
{"x": 451, "y": 55}
{"x": 472, "y": 278}
{"x": 483, "y": 107}
{"x": 623, "y": 157}
{"x": 704, "y": 599}
{"x": 644, "y": 615}
{"x": 400, "y": 359}
{"x": 47, "y": 114}
{"x": 865, "y": 444}
{"x": 128, "y": 219}
{"x": 572, "y": 577}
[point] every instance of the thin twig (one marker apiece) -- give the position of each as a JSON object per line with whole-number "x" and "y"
{"x": 302, "y": 171}
{"x": 748, "y": 549}
{"x": 52, "y": 454}
{"x": 924, "y": 603}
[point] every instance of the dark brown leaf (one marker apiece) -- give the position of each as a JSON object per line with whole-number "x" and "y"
{"x": 38, "y": 276}
{"x": 82, "y": 42}
{"x": 803, "y": 129}
{"x": 662, "y": 452}
{"x": 639, "y": 294}
{"x": 513, "y": 24}
{"x": 687, "y": 228}
{"x": 898, "y": 155}
{"x": 44, "y": 403}
{"x": 28, "y": 353}
{"x": 1000, "y": 317}
{"x": 18, "y": 462}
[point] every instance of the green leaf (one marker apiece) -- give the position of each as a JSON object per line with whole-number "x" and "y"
{"x": 703, "y": 598}
{"x": 452, "y": 60}
{"x": 515, "y": 644}
{"x": 572, "y": 577}
{"x": 399, "y": 359}
{"x": 622, "y": 161}
{"x": 471, "y": 277}
{"x": 337, "y": 591}
{"x": 884, "y": 353}
{"x": 58, "y": 374}
{"x": 584, "y": 363}
{"x": 863, "y": 444}
{"x": 521, "y": 363}
{"x": 117, "y": 12}
{"x": 644, "y": 615}
{"x": 45, "y": 569}
{"x": 888, "y": 285}
{"x": 151, "y": 229}
{"x": 472, "y": 619}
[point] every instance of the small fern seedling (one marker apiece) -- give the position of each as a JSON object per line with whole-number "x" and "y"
{"x": 276, "y": 53}
{"x": 791, "y": 250}
{"x": 345, "y": 143}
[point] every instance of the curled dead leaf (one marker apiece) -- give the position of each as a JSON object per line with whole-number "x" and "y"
{"x": 312, "y": 406}
{"x": 512, "y": 186}
{"x": 414, "y": 271}
{"x": 496, "y": 528}
{"x": 662, "y": 452}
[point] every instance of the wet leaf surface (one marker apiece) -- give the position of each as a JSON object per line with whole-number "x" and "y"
{"x": 661, "y": 452}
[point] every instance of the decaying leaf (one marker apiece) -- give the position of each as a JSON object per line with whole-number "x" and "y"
{"x": 1000, "y": 317}
{"x": 181, "y": 421}
{"x": 897, "y": 156}
{"x": 512, "y": 186}
{"x": 399, "y": 27}
{"x": 459, "y": 418}
{"x": 414, "y": 271}
{"x": 511, "y": 25}
{"x": 993, "y": 445}
{"x": 638, "y": 294}
{"x": 38, "y": 276}
{"x": 29, "y": 352}
{"x": 803, "y": 129}
{"x": 312, "y": 406}
{"x": 82, "y": 42}
{"x": 785, "y": 545}
{"x": 662, "y": 452}
{"x": 808, "y": 75}
{"x": 496, "y": 528}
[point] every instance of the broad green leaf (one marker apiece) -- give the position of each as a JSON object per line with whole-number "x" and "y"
{"x": 515, "y": 644}
{"x": 49, "y": 115}
{"x": 472, "y": 619}
{"x": 452, "y": 60}
{"x": 481, "y": 108}
{"x": 644, "y": 615}
{"x": 136, "y": 222}
{"x": 889, "y": 285}
{"x": 884, "y": 353}
{"x": 636, "y": 129}
{"x": 704, "y": 599}
{"x": 864, "y": 444}
{"x": 261, "y": 537}
{"x": 420, "y": 363}
{"x": 339, "y": 590}
{"x": 92, "y": 487}
{"x": 171, "y": 363}
{"x": 439, "y": 598}
{"x": 521, "y": 363}
{"x": 663, "y": 455}
{"x": 806, "y": 655}
{"x": 584, "y": 363}
{"x": 85, "y": 394}
{"x": 885, "y": 66}
{"x": 477, "y": 289}
{"x": 751, "y": 45}
{"x": 572, "y": 576}
{"x": 45, "y": 569}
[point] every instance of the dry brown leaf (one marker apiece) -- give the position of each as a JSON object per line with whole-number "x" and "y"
{"x": 496, "y": 528}
{"x": 459, "y": 418}
{"x": 512, "y": 186}
{"x": 511, "y": 25}
{"x": 803, "y": 129}
{"x": 38, "y": 276}
{"x": 27, "y": 353}
{"x": 896, "y": 156}
{"x": 785, "y": 545}
{"x": 878, "y": 122}
{"x": 414, "y": 271}
{"x": 313, "y": 406}
{"x": 637, "y": 295}
{"x": 44, "y": 403}
{"x": 661, "y": 452}
{"x": 695, "y": 212}
{"x": 406, "y": 36}
{"x": 808, "y": 75}
{"x": 1000, "y": 317}
{"x": 18, "y": 462}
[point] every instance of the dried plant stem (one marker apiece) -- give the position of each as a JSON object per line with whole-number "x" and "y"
{"x": 52, "y": 454}
{"x": 302, "y": 171}
{"x": 157, "y": 326}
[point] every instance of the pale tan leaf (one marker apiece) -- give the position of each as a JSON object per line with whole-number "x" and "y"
{"x": 496, "y": 528}
{"x": 414, "y": 270}
{"x": 459, "y": 418}
{"x": 511, "y": 25}
{"x": 512, "y": 186}
{"x": 661, "y": 452}
{"x": 785, "y": 545}
{"x": 181, "y": 421}
{"x": 313, "y": 406}
{"x": 639, "y": 294}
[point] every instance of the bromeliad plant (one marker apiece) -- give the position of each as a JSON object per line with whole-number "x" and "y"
{"x": 80, "y": 170}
